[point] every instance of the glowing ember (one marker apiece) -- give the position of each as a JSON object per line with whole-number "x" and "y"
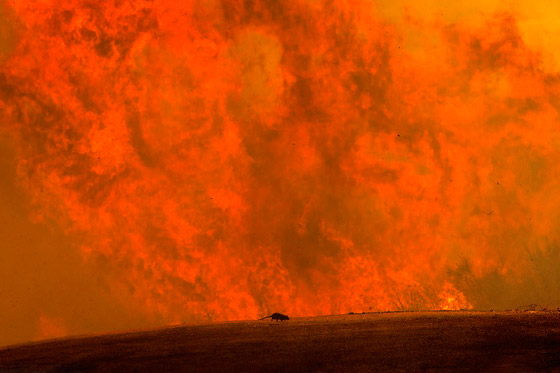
{"x": 452, "y": 299}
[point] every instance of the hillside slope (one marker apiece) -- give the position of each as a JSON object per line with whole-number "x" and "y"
{"x": 480, "y": 341}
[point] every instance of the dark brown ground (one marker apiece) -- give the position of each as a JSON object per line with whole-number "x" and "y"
{"x": 435, "y": 341}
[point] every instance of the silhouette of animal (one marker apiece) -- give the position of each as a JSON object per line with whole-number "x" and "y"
{"x": 276, "y": 316}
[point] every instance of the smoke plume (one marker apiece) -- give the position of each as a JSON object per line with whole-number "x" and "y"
{"x": 168, "y": 162}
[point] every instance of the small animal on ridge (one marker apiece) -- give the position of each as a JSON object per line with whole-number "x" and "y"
{"x": 276, "y": 316}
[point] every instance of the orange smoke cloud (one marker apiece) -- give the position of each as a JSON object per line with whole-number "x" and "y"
{"x": 225, "y": 159}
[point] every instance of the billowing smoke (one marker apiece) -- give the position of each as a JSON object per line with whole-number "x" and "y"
{"x": 220, "y": 160}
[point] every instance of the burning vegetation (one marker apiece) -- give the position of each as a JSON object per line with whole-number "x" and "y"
{"x": 219, "y": 160}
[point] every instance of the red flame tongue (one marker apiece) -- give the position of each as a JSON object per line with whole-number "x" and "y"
{"x": 226, "y": 160}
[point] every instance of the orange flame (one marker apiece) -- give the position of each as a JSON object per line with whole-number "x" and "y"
{"x": 224, "y": 159}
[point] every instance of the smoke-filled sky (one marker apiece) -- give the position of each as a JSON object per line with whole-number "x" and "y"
{"x": 181, "y": 161}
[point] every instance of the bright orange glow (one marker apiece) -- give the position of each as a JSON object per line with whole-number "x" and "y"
{"x": 219, "y": 160}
